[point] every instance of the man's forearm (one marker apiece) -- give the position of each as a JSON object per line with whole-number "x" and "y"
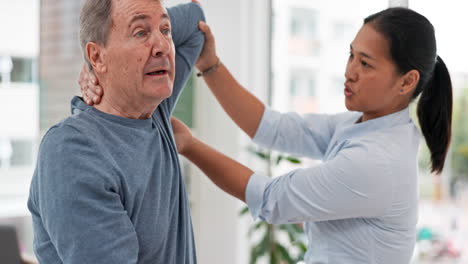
{"x": 242, "y": 106}
{"x": 228, "y": 174}
{"x": 188, "y": 41}
{"x": 184, "y": 21}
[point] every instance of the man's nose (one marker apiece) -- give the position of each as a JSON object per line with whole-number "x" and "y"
{"x": 160, "y": 45}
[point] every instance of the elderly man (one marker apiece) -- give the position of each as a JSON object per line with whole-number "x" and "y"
{"x": 107, "y": 187}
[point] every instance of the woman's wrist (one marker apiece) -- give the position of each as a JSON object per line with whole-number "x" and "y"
{"x": 189, "y": 149}
{"x": 210, "y": 69}
{"x": 208, "y": 64}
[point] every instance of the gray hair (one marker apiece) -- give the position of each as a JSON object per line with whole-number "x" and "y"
{"x": 95, "y": 23}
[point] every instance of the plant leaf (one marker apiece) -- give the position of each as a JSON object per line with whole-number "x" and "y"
{"x": 244, "y": 211}
{"x": 284, "y": 254}
{"x": 260, "y": 154}
{"x": 293, "y": 160}
{"x": 279, "y": 159}
{"x": 258, "y": 226}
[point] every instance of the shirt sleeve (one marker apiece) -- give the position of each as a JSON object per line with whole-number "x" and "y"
{"x": 79, "y": 202}
{"x": 307, "y": 135}
{"x": 188, "y": 42}
{"x": 356, "y": 183}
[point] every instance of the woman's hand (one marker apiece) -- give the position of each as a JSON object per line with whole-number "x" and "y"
{"x": 89, "y": 85}
{"x": 208, "y": 55}
{"x": 182, "y": 135}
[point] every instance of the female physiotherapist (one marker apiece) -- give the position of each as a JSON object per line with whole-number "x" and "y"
{"x": 360, "y": 204}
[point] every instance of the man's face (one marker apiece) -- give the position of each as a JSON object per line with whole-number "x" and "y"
{"x": 139, "y": 55}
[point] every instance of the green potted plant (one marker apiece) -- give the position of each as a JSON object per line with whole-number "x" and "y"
{"x": 283, "y": 243}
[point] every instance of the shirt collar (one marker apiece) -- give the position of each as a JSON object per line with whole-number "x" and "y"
{"x": 353, "y": 129}
{"x": 78, "y": 106}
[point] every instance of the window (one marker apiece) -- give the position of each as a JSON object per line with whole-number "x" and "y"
{"x": 19, "y": 96}
{"x": 303, "y": 23}
{"x": 302, "y": 84}
{"x": 22, "y": 70}
{"x": 302, "y": 90}
{"x": 295, "y": 27}
{"x": 293, "y": 87}
{"x": 312, "y": 88}
{"x": 16, "y": 69}
{"x": 317, "y": 42}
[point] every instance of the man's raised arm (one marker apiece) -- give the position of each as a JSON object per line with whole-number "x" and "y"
{"x": 188, "y": 41}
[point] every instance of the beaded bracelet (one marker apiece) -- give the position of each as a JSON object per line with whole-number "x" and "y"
{"x": 210, "y": 69}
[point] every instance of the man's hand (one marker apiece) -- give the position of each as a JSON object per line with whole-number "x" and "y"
{"x": 208, "y": 55}
{"x": 182, "y": 135}
{"x": 89, "y": 85}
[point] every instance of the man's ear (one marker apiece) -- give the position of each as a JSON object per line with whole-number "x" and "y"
{"x": 408, "y": 82}
{"x": 96, "y": 57}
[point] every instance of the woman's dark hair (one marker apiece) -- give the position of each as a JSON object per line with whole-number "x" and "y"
{"x": 413, "y": 46}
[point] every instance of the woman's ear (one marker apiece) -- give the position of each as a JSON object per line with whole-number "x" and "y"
{"x": 409, "y": 82}
{"x": 95, "y": 55}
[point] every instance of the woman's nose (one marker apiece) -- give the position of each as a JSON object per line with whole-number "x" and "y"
{"x": 350, "y": 73}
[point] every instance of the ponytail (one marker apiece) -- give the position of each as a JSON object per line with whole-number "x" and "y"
{"x": 435, "y": 115}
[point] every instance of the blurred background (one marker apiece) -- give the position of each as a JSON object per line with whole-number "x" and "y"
{"x": 290, "y": 53}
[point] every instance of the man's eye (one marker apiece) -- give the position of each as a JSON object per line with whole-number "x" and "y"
{"x": 166, "y": 31}
{"x": 141, "y": 34}
{"x": 351, "y": 55}
{"x": 365, "y": 64}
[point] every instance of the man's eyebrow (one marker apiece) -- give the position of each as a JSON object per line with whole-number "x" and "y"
{"x": 138, "y": 17}
{"x": 144, "y": 17}
{"x": 165, "y": 16}
{"x": 362, "y": 53}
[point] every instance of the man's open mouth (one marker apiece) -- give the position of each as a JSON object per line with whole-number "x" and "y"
{"x": 156, "y": 73}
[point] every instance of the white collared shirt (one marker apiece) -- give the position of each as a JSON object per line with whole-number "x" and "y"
{"x": 360, "y": 203}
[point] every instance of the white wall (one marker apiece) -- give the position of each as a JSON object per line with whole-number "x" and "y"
{"x": 19, "y": 38}
{"x": 241, "y": 31}
{"x": 449, "y": 21}
{"x": 18, "y": 111}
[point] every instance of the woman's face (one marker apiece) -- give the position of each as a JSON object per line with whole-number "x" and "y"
{"x": 372, "y": 80}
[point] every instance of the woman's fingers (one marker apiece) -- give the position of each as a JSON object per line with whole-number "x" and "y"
{"x": 89, "y": 86}
{"x": 208, "y": 55}
{"x": 204, "y": 27}
{"x": 94, "y": 93}
{"x": 209, "y": 37}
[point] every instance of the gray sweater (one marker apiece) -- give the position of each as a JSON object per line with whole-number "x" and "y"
{"x": 107, "y": 189}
